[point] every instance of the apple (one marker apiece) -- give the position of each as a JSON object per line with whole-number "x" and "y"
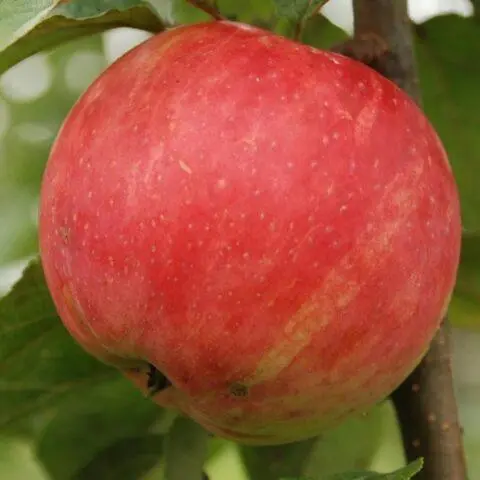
{"x": 260, "y": 234}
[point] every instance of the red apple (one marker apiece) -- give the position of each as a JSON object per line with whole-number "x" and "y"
{"x": 272, "y": 227}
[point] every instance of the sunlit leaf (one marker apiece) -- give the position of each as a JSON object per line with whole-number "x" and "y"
{"x": 18, "y": 18}
{"x": 74, "y": 19}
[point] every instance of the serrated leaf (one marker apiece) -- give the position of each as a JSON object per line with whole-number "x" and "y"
{"x": 84, "y": 432}
{"x": 74, "y": 19}
{"x": 40, "y": 364}
{"x": 405, "y": 473}
{"x": 186, "y": 450}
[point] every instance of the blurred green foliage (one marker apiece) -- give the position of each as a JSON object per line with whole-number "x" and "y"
{"x": 63, "y": 415}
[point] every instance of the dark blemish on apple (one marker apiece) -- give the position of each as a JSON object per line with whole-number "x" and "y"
{"x": 157, "y": 381}
{"x": 64, "y": 234}
{"x": 238, "y": 390}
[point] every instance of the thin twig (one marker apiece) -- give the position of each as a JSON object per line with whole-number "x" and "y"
{"x": 208, "y": 8}
{"x": 425, "y": 402}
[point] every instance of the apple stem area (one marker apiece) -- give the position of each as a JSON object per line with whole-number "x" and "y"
{"x": 425, "y": 403}
{"x": 157, "y": 381}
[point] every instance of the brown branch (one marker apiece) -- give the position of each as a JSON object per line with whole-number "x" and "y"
{"x": 427, "y": 411}
{"x": 425, "y": 402}
{"x": 207, "y": 8}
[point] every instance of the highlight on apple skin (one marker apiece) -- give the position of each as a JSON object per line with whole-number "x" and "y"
{"x": 264, "y": 235}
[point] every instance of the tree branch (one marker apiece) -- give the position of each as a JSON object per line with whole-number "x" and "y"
{"x": 425, "y": 402}
{"x": 427, "y": 411}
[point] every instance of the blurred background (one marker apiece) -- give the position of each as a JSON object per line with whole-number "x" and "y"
{"x": 36, "y": 95}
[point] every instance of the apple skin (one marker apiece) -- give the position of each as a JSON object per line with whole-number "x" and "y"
{"x": 275, "y": 228}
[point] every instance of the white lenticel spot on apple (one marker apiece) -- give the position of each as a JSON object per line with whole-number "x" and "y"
{"x": 221, "y": 183}
{"x": 186, "y": 168}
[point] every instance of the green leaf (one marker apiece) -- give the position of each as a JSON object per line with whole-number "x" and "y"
{"x": 183, "y": 12}
{"x": 18, "y": 461}
{"x": 256, "y": 12}
{"x": 40, "y": 364}
{"x": 273, "y": 462}
{"x": 18, "y": 18}
{"x": 83, "y": 407}
{"x": 298, "y": 10}
{"x": 85, "y": 432}
{"x": 448, "y": 49}
{"x": 186, "y": 450}
{"x": 405, "y": 473}
{"x": 464, "y": 310}
{"x": 294, "y": 10}
{"x": 74, "y": 19}
{"x": 128, "y": 459}
{"x": 321, "y": 33}
{"x": 350, "y": 445}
